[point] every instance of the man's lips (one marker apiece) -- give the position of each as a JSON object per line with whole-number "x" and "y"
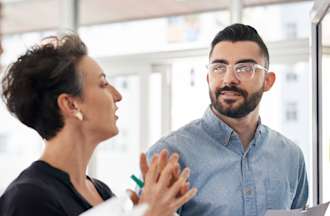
{"x": 230, "y": 93}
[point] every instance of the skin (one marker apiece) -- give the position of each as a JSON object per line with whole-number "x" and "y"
{"x": 71, "y": 149}
{"x": 232, "y": 53}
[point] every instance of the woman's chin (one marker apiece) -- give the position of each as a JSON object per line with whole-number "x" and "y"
{"x": 113, "y": 132}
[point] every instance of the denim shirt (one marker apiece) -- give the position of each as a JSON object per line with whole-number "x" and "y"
{"x": 270, "y": 174}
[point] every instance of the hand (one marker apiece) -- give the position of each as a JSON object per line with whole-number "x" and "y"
{"x": 161, "y": 192}
{"x": 144, "y": 167}
{"x": 163, "y": 160}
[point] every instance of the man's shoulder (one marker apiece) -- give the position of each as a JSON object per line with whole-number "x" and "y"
{"x": 181, "y": 136}
{"x": 280, "y": 141}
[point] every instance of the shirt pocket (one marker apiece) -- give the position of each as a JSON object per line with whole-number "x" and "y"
{"x": 278, "y": 194}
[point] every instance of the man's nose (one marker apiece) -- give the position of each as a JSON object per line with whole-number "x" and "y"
{"x": 230, "y": 76}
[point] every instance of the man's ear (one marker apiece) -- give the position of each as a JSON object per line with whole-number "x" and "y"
{"x": 67, "y": 105}
{"x": 270, "y": 78}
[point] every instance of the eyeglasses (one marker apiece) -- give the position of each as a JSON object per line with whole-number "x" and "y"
{"x": 243, "y": 71}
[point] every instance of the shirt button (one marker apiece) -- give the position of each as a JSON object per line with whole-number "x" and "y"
{"x": 248, "y": 191}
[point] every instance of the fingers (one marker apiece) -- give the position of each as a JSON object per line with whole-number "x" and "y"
{"x": 166, "y": 176}
{"x": 174, "y": 158}
{"x": 185, "y": 188}
{"x": 134, "y": 197}
{"x": 175, "y": 175}
{"x": 185, "y": 198}
{"x": 152, "y": 174}
{"x": 167, "y": 172}
{"x": 175, "y": 189}
{"x": 143, "y": 165}
{"x": 158, "y": 164}
{"x": 163, "y": 159}
{"x": 166, "y": 187}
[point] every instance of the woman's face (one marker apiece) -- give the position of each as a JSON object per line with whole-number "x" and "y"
{"x": 99, "y": 98}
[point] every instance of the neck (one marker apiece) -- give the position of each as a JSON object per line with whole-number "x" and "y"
{"x": 70, "y": 151}
{"x": 245, "y": 127}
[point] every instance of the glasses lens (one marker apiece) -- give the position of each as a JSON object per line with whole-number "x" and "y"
{"x": 244, "y": 71}
{"x": 218, "y": 68}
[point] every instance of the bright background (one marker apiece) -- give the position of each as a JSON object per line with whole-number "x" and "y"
{"x": 155, "y": 54}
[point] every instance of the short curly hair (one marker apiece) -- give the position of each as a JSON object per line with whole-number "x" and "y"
{"x": 32, "y": 84}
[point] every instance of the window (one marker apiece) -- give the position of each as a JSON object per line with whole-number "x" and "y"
{"x": 291, "y": 112}
{"x": 286, "y": 108}
{"x": 291, "y": 77}
{"x": 117, "y": 158}
{"x": 274, "y": 24}
{"x": 325, "y": 114}
{"x": 155, "y": 107}
{"x": 190, "y": 97}
{"x": 154, "y": 35}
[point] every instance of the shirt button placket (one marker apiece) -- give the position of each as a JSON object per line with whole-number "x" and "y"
{"x": 249, "y": 195}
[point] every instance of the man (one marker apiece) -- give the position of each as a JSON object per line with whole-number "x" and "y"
{"x": 239, "y": 165}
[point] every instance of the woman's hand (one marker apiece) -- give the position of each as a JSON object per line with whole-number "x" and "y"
{"x": 166, "y": 188}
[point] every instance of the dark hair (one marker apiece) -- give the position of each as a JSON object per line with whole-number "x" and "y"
{"x": 241, "y": 32}
{"x": 32, "y": 84}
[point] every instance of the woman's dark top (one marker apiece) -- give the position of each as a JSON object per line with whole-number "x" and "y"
{"x": 46, "y": 191}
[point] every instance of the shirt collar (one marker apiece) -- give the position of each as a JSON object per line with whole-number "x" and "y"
{"x": 220, "y": 130}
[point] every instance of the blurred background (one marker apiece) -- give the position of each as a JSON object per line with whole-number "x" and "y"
{"x": 155, "y": 52}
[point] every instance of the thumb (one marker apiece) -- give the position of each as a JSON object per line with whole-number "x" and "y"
{"x": 134, "y": 197}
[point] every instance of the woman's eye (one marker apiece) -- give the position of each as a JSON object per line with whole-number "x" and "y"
{"x": 104, "y": 84}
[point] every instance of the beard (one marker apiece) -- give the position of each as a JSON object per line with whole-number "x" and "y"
{"x": 250, "y": 102}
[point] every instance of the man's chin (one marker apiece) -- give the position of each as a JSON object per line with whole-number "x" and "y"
{"x": 227, "y": 110}
{"x": 230, "y": 104}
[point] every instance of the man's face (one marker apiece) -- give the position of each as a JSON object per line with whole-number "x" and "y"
{"x": 229, "y": 95}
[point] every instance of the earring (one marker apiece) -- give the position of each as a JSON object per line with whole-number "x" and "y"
{"x": 79, "y": 115}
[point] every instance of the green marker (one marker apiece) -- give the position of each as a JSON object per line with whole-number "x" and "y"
{"x": 138, "y": 181}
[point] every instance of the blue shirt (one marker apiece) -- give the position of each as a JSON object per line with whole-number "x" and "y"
{"x": 270, "y": 174}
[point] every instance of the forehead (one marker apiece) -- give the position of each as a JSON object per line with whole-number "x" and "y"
{"x": 89, "y": 69}
{"x": 235, "y": 51}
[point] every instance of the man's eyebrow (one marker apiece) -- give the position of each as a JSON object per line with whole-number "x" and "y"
{"x": 246, "y": 61}
{"x": 223, "y": 61}
{"x": 219, "y": 61}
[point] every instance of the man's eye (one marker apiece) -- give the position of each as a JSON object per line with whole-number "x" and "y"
{"x": 220, "y": 68}
{"x": 244, "y": 69}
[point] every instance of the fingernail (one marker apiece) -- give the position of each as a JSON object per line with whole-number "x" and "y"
{"x": 194, "y": 191}
{"x": 186, "y": 172}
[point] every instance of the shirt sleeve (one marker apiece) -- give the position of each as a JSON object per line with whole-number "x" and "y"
{"x": 301, "y": 195}
{"x": 28, "y": 199}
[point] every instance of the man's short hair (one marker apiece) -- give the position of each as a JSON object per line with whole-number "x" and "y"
{"x": 241, "y": 32}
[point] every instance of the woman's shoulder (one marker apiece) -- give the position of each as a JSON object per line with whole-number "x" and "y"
{"x": 29, "y": 192}
{"x": 102, "y": 188}
{"x": 28, "y": 198}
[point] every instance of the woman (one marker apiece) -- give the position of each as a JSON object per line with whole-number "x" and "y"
{"x": 62, "y": 93}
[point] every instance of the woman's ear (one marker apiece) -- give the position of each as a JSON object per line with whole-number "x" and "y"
{"x": 67, "y": 105}
{"x": 270, "y": 78}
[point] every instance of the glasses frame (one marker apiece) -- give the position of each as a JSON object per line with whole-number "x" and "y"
{"x": 255, "y": 66}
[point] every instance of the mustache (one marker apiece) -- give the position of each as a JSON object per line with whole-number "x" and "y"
{"x": 231, "y": 88}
